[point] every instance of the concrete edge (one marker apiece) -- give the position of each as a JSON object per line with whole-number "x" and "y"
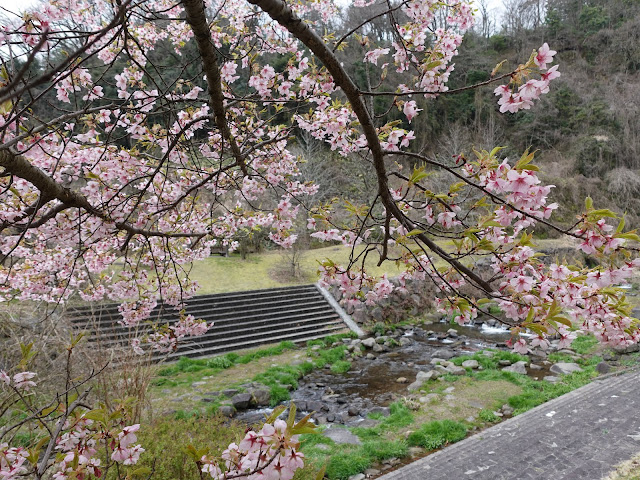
{"x": 513, "y": 422}
{"x": 344, "y": 315}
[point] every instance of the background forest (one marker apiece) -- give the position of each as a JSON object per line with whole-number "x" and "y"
{"x": 586, "y": 130}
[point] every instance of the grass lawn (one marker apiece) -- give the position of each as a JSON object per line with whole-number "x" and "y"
{"x": 265, "y": 270}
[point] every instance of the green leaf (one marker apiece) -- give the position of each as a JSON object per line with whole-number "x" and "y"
{"x": 415, "y": 232}
{"x": 417, "y": 175}
{"x": 292, "y": 415}
{"x": 47, "y": 411}
{"x": 628, "y": 236}
{"x": 275, "y": 414}
{"x": 98, "y": 415}
{"x": 530, "y": 315}
{"x": 588, "y": 203}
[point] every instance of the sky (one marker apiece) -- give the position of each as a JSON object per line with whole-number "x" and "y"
{"x": 17, "y": 5}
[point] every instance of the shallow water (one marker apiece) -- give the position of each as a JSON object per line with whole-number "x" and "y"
{"x": 373, "y": 382}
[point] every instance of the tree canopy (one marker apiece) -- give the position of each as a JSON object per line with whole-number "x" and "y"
{"x": 138, "y": 135}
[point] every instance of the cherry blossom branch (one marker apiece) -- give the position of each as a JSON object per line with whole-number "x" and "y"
{"x": 20, "y": 167}
{"x": 446, "y": 92}
{"x": 197, "y": 19}
{"x": 118, "y": 18}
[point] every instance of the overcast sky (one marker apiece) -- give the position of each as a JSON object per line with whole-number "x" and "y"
{"x": 18, "y": 5}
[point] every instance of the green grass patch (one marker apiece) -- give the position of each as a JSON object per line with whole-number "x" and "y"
{"x": 399, "y": 416}
{"x": 222, "y": 362}
{"x": 259, "y": 270}
{"x": 342, "y": 465}
{"x": 491, "y": 362}
{"x": 584, "y": 344}
{"x": 537, "y": 392}
{"x": 341, "y": 366}
{"x": 488, "y": 416}
{"x": 343, "y": 461}
{"x": 437, "y": 434}
{"x": 284, "y": 378}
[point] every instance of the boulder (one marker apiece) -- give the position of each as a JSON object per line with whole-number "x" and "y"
{"x": 470, "y": 364}
{"x": 603, "y": 367}
{"x": 456, "y": 370}
{"x": 241, "y": 401}
{"x": 426, "y": 376}
{"x": 417, "y": 385}
{"x": 382, "y": 410}
{"x": 261, "y": 396}
{"x": 369, "y": 342}
{"x": 226, "y": 411}
{"x": 342, "y": 436}
{"x": 518, "y": 367}
{"x": 551, "y": 379}
{"x": 564, "y": 368}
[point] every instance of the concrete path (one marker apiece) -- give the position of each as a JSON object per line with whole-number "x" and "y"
{"x": 579, "y": 436}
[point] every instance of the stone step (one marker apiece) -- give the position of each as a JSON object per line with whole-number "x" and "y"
{"x": 213, "y": 312}
{"x": 108, "y": 338}
{"x": 295, "y": 336}
{"x": 240, "y": 320}
{"x": 228, "y": 299}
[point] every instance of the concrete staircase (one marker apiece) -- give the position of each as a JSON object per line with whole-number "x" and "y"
{"x": 241, "y": 320}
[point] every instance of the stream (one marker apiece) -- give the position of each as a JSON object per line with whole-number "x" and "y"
{"x": 372, "y": 382}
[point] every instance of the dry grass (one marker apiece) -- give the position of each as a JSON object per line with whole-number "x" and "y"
{"x": 468, "y": 398}
{"x": 228, "y": 274}
{"x": 629, "y": 470}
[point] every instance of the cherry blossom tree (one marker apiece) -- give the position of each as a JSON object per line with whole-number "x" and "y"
{"x": 137, "y": 135}
{"x": 115, "y": 186}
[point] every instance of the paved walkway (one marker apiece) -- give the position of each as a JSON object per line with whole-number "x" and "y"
{"x": 579, "y": 436}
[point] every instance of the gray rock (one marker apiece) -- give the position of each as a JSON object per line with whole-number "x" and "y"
{"x": 230, "y": 392}
{"x": 518, "y": 367}
{"x": 261, "y": 396}
{"x": 383, "y": 410}
{"x": 551, "y": 379}
{"x": 563, "y": 368}
{"x": 603, "y": 367}
{"x": 426, "y": 376}
{"x": 417, "y": 385}
{"x": 428, "y": 398}
{"x": 369, "y": 342}
{"x": 370, "y": 356}
{"x": 507, "y": 409}
{"x": 402, "y": 380}
{"x": 470, "y": 364}
{"x": 226, "y": 411}
{"x": 455, "y": 370}
{"x": 504, "y": 363}
{"x": 353, "y": 411}
{"x": 241, "y": 401}
{"x": 452, "y": 332}
{"x": 358, "y": 476}
{"x": 404, "y": 341}
{"x": 342, "y": 436}
{"x": 377, "y": 348}
{"x": 533, "y": 366}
